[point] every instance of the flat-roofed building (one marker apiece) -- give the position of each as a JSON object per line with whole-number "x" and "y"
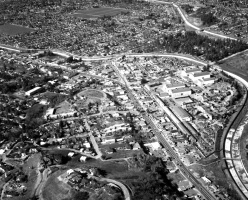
{"x": 183, "y": 101}
{"x": 33, "y": 91}
{"x": 175, "y": 86}
{"x": 182, "y": 114}
{"x": 200, "y": 75}
{"x": 181, "y": 92}
{"x": 193, "y": 71}
{"x": 168, "y": 87}
{"x": 205, "y": 82}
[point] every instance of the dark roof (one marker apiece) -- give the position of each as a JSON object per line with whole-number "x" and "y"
{"x": 201, "y": 74}
{"x": 178, "y": 90}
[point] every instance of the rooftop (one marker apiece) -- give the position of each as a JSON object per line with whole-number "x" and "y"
{"x": 193, "y": 70}
{"x": 208, "y": 79}
{"x": 178, "y": 90}
{"x": 175, "y": 85}
{"x": 201, "y": 74}
{"x": 179, "y": 111}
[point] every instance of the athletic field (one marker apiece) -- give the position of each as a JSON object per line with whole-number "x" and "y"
{"x": 99, "y": 12}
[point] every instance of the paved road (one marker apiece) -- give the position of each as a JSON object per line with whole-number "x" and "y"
{"x": 119, "y": 184}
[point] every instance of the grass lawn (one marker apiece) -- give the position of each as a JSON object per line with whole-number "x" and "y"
{"x": 11, "y": 29}
{"x": 110, "y": 167}
{"x": 237, "y": 65}
{"x": 99, "y": 12}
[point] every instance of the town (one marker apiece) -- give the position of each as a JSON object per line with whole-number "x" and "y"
{"x": 120, "y": 100}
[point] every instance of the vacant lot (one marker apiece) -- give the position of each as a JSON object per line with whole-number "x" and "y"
{"x": 99, "y": 12}
{"x": 11, "y": 29}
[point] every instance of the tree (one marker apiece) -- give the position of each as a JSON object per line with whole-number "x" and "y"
{"x": 81, "y": 196}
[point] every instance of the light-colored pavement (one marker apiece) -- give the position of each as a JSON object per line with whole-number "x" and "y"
{"x": 119, "y": 184}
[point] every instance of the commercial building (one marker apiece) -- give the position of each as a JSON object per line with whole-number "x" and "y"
{"x": 200, "y": 75}
{"x": 181, "y": 92}
{"x": 181, "y": 113}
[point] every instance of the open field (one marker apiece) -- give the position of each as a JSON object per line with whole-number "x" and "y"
{"x": 237, "y": 65}
{"x": 99, "y": 12}
{"x": 55, "y": 189}
{"x": 11, "y": 29}
{"x": 92, "y": 93}
{"x": 110, "y": 167}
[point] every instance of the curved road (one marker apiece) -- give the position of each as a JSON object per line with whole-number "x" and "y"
{"x": 191, "y": 25}
{"x": 119, "y": 184}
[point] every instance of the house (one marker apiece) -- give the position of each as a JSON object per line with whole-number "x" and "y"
{"x": 69, "y": 171}
{"x": 82, "y": 158}
{"x": 71, "y": 154}
{"x": 153, "y": 145}
{"x": 206, "y": 180}
{"x": 108, "y": 140}
{"x": 136, "y": 146}
{"x": 181, "y": 92}
{"x": 33, "y": 91}
{"x": 86, "y": 144}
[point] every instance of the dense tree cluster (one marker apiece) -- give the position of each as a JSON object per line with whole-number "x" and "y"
{"x": 188, "y": 8}
{"x": 207, "y": 17}
{"x": 191, "y": 43}
{"x": 154, "y": 184}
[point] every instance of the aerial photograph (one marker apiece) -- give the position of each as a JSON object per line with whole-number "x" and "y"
{"x": 123, "y": 99}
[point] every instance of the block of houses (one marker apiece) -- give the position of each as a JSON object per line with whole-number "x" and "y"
{"x": 108, "y": 140}
{"x": 116, "y": 126}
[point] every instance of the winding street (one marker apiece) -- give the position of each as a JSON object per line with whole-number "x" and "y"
{"x": 190, "y": 24}
{"x": 117, "y": 183}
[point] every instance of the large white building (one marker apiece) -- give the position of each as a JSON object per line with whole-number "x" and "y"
{"x": 33, "y": 91}
{"x": 181, "y": 92}
{"x": 200, "y": 75}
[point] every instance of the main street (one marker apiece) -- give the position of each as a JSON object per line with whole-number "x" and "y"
{"x": 204, "y": 191}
